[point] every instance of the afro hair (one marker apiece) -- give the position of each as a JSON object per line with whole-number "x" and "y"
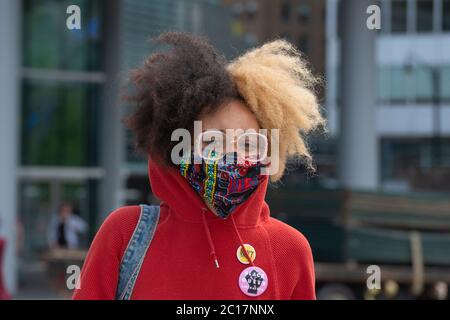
{"x": 277, "y": 85}
{"x": 175, "y": 86}
{"x": 172, "y": 88}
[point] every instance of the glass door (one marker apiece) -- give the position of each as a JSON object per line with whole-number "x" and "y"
{"x": 40, "y": 200}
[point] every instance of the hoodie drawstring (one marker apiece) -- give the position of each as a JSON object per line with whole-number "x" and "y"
{"x": 242, "y": 242}
{"x": 211, "y": 243}
{"x": 208, "y": 235}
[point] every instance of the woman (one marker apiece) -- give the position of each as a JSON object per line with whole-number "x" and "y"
{"x": 207, "y": 219}
{"x": 65, "y": 228}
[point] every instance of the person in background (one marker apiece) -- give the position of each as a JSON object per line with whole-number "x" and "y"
{"x": 65, "y": 228}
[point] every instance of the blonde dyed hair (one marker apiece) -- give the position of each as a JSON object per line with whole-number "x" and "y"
{"x": 278, "y": 87}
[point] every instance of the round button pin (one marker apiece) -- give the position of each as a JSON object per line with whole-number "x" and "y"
{"x": 253, "y": 281}
{"x": 240, "y": 254}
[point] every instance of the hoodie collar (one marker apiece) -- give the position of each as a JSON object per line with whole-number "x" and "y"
{"x": 174, "y": 190}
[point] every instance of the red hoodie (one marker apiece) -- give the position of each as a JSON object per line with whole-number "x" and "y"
{"x": 180, "y": 263}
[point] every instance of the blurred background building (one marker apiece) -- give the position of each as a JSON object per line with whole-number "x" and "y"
{"x": 61, "y": 134}
{"x": 62, "y": 131}
{"x": 300, "y": 22}
{"x": 413, "y": 92}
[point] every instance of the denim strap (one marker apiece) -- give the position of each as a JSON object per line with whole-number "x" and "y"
{"x": 135, "y": 252}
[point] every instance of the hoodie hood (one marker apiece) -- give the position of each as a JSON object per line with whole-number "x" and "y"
{"x": 182, "y": 252}
{"x": 174, "y": 191}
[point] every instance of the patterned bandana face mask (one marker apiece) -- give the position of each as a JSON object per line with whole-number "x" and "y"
{"x": 222, "y": 183}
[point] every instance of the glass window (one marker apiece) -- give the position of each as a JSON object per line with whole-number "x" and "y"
{"x": 445, "y": 83}
{"x": 79, "y": 195}
{"x": 446, "y": 15}
{"x": 445, "y": 149}
{"x": 139, "y": 191}
{"x": 59, "y": 124}
{"x": 49, "y": 44}
{"x": 424, "y": 84}
{"x": 237, "y": 9}
{"x": 413, "y": 162}
{"x": 250, "y": 39}
{"x": 133, "y": 155}
{"x": 424, "y": 14}
{"x": 398, "y": 16}
{"x": 287, "y": 36}
{"x": 303, "y": 44}
{"x": 402, "y": 85}
{"x": 252, "y": 9}
{"x": 401, "y": 158}
{"x": 285, "y": 11}
{"x": 304, "y": 13}
{"x": 399, "y": 84}
{"x": 35, "y": 211}
{"x": 384, "y": 84}
{"x": 40, "y": 201}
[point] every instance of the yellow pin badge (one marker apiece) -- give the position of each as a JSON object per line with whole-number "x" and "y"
{"x": 240, "y": 254}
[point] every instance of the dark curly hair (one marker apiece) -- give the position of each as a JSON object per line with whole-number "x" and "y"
{"x": 172, "y": 88}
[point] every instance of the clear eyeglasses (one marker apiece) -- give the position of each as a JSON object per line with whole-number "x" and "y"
{"x": 251, "y": 146}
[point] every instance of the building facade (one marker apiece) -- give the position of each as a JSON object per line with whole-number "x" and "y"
{"x": 302, "y": 22}
{"x": 412, "y": 115}
{"x": 61, "y": 110}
